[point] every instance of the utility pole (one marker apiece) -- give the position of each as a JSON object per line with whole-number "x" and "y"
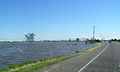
{"x": 93, "y": 32}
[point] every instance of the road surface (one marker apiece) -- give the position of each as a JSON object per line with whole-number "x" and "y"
{"x": 102, "y": 59}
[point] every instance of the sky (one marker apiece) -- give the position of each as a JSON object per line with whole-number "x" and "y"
{"x": 59, "y": 19}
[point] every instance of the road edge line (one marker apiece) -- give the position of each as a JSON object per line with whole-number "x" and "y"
{"x": 93, "y": 58}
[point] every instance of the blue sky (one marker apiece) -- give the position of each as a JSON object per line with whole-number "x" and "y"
{"x": 59, "y": 19}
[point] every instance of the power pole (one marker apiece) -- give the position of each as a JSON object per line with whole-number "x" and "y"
{"x": 93, "y": 32}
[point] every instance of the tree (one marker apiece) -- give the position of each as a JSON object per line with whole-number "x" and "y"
{"x": 118, "y": 40}
{"x": 112, "y": 39}
{"x": 97, "y": 40}
{"x": 77, "y": 39}
{"x": 30, "y": 37}
{"x": 115, "y": 39}
{"x": 69, "y": 39}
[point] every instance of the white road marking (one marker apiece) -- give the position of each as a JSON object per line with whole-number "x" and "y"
{"x": 93, "y": 59}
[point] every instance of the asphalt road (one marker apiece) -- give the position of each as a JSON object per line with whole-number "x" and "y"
{"x": 102, "y": 59}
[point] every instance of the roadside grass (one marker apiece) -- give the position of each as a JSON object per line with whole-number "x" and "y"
{"x": 12, "y": 42}
{"x": 7, "y": 42}
{"x": 40, "y": 63}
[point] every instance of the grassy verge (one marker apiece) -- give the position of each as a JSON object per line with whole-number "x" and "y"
{"x": 7, "y": 42}
{"x": 12, "y": 42}
{"x": 40, "y": 63}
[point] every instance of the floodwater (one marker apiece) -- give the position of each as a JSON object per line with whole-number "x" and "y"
{"x": 13, "y": 53}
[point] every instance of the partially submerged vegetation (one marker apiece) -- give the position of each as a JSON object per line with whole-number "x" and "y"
{"x": 40, "y": 63}
{"x": 7, "y": 42}
{"x": 12, "y": 42}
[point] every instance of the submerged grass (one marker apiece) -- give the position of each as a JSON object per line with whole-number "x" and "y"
{"x": 40, "y": 63}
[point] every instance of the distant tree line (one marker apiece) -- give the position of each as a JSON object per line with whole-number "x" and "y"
{"x": 117, "y": 40}
{"x": 92, "y": 41}
{"x": 30, "y": 38}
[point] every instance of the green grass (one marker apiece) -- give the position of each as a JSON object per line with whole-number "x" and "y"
{"x": 40, "y": 63}
{"x": 32, "y": 68}
{"x": 13, "y": 42}
{"x": 7, "y": 42}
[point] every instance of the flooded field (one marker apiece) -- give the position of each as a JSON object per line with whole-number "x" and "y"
{"x": 12, "y": 53}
